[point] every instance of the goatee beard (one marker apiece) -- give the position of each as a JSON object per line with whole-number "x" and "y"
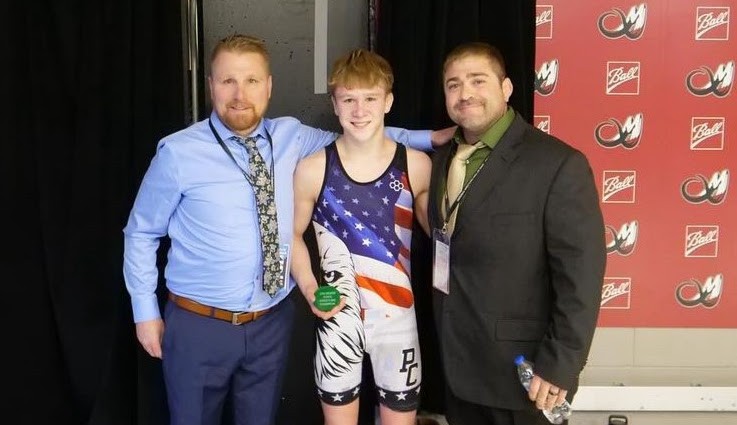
{"x": 242, "y": 123}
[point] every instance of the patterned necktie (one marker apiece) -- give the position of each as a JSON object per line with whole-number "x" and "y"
{"x": 264, "y": 190}
{"x": 456, "y": 178}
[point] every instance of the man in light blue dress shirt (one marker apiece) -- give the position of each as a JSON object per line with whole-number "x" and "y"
{"x": 224, "y": 333}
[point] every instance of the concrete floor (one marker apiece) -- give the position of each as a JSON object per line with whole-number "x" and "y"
{"x": 438, "y": 418}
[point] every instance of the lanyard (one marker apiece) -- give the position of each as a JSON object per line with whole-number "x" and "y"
{"x": 450, "y": 208}
{"x": 249, "y": 179}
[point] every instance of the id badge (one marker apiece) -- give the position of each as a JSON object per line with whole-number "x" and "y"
{"x": 441, "y": 261}
{"x": 284, "y": 263}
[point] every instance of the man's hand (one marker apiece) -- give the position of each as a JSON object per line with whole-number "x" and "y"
{"x": 441, "y": 137}
{"x": 325, "y": 315}
{"x": 545, "y": 394}
{"x": 149, "y": 334}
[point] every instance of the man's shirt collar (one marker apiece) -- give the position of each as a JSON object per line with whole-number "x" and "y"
{"x": 492, "y": 136}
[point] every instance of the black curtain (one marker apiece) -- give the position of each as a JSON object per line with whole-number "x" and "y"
{"x": 415, "y": 36}
{"x": 89, "y": 88}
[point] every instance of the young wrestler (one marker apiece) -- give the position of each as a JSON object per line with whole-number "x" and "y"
{"x": 361, "y": 194}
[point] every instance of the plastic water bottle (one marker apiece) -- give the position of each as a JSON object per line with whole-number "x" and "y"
{"x": 559, "y": 413}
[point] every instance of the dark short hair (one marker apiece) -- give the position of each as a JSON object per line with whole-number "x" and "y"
{"x": 478, "y": 48}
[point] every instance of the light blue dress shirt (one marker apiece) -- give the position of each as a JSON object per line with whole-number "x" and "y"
{"x": 194, "y": 192}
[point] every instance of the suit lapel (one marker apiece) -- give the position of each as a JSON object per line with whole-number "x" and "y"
{"x": 437, "y": 183}
{"x": 496, "y": 168}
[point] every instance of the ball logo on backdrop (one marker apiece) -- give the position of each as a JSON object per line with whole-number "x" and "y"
{"x": 615, "y": 24}
{"x": 546, "y": 77}
{"x": 702, "y": 241}
{"x": 618, "y": 187}
{"x": 693, "y": 293}
{"x": 707, "y": 133}
{"x": 697, "y": 189}
{"x": 712, "y": 23}
{"x": 703, "y": 81}
{"x": 615, "y": 293}
{"x": 542, "y": 122}
{"x": 707, "y": 77}
{"x": 543, "y": 21}
{"x": 623, "y": 241}
{"x": 622, "y": 78}
{"x": 611, "y": 133}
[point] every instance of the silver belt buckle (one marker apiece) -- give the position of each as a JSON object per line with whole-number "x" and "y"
{"x": 234, "y": 319}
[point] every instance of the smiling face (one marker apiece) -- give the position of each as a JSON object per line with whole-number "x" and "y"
{"x": 360, "y": 87}
{"x": 240, "y": 88}
{"x": 476, "y": 94}
{"x": 361, "y": 110}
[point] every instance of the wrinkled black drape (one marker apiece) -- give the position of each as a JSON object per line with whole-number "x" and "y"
{"x": 414, "y": 36}
{"x": 91, "y": 86}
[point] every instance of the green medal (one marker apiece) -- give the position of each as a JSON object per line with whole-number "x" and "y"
{"x": 326, "y": 297}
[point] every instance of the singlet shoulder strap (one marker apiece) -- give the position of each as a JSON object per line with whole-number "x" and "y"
{"x": 400, "y": 157}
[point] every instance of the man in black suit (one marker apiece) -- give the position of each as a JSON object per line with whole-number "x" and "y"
{"x": 519, "y": 252}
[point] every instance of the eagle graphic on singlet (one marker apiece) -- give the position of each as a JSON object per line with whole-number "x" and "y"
{"x": 364, "y": 234}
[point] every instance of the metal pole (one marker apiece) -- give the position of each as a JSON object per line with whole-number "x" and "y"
{"x": 193, "y": 49}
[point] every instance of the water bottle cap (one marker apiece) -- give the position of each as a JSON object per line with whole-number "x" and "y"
{"x": 519, "y": 360}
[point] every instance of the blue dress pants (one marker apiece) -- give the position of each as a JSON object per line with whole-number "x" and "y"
{"x": 206, "y": 359}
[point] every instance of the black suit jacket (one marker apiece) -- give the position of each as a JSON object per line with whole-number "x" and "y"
{"x": 527, "y": 262}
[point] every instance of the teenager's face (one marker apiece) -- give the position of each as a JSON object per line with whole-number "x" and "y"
{"x": 361, "y": 110}
{"x": 240, "y": 88}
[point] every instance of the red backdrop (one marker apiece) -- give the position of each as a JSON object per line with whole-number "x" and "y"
{"x": 645, "y": 91}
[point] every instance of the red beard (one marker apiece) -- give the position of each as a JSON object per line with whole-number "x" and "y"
{"x": 241, "y": 121}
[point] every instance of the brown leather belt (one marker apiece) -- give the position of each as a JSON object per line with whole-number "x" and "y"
{"x": 204, "y": 310}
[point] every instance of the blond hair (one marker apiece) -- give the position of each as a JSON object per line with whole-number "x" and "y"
{"x": 240, "y": 43}
{"x": 361, "y": 68}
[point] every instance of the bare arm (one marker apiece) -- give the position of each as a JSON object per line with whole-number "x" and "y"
{"x": 308, "y": 178}
{"x": 419, "y": 165}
